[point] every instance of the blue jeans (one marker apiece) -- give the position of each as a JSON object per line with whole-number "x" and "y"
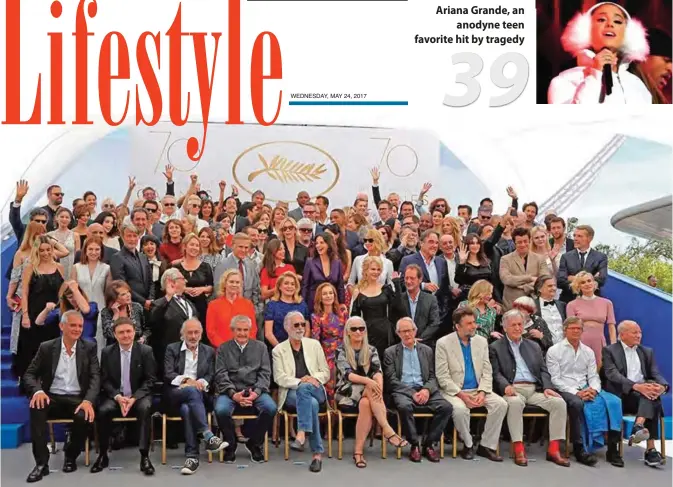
{"x": 306, "y": 399}
{"x": 265, "y": 408}
{"x": 191, "y": 403}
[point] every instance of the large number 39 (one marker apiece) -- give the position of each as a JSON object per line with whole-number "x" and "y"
{"x": 517, "y": 83}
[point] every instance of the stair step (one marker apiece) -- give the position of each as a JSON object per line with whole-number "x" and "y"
{"x": 6, "y": 372}
{"x": 14, "y": 410}
{"x": 4, "y": 341}
{"x": 6, "y": 357}
{"x": 9, "y": 388}
{"x": 11, "y": 435}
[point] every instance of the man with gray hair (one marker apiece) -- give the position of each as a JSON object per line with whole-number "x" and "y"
{"x": 242, "y": 380}
{"x": 520, "y": 376}
{"x": 189, "y": 367}
{"x": 409, "y": 372}
{"x": 300, "y": 370}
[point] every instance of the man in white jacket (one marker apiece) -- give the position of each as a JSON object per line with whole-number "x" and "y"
{"x": 300, "y": 370}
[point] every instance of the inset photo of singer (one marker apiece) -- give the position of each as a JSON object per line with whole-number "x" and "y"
{"x": 593, "y": 52}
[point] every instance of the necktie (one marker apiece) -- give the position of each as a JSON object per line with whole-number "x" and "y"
{"x": 549, "y": 303}
{"x": 240, "y": 268}
{"x": 582, "y": 258}
{"x": 126, "y": 373}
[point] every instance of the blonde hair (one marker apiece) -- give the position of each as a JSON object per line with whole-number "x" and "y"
{"x": 279, "y": 282}
{"x": 535, "y": 249}
{"x": 379, "y": 245}
{"x": 455, "y": 230}
{"x": 576, "y": 285}
{"x": 478, "y": 290}
{"x": 188, "y": 238}
{"x": 365, "y": 354}
{"x": 366, "y": 264}
{"x": 292, "y": 222}
{"x": 33, "y": 230}
{"x": 34, "y": 259}
{"x": 225, "y": 277}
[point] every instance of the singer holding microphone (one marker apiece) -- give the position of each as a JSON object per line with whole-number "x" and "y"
{"x": 604, "y": 39}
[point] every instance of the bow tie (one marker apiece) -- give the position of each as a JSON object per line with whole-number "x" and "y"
{"x": 549, "y": 303}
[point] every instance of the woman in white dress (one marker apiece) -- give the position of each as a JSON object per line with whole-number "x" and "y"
{"x": 66, "y": 237}
{"x": 93, "y": 276}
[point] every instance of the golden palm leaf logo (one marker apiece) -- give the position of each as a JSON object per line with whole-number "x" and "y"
{"x": 283, "y": 170}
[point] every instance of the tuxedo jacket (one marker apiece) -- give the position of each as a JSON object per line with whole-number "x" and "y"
{"x": 560, "y": 306}
{"x": 504, "y": 364}
{"x": 42, "y": 369}
{"x": 167, "y": 318}
{"x": 595, "y": 262}
{"x": 174, "y": 363}
{"x": 143, "y": 371}
{"x": 615, "y": 370}
{"x": 393, "y": 364}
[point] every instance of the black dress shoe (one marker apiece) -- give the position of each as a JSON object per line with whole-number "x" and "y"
{"x": 101, "y": 463}
{"x": 482, "y": 451}
{"x": 37, "y": 473}
{"x": 585, "y": 458}
{"x": 146, "y": 466}
{"x": 467, "y": 453}
{"x": 69, "y": 465}
{"x": 614, "y": 459}
{"x": 316, "y": 465}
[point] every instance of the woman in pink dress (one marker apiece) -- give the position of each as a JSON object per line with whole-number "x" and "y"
{"x": 595, "y": 312}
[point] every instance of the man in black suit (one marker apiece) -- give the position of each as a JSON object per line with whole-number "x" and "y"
{"x": 352, "y": 240}
{"x": 520, "y": 376}
{"x": 550, "y": 309}
{"x": 409, "y": 372}
{"x": 632, "y": 374}
{"x": 62, "y": 381}
{"x": 128, "y": 373}
{"x": 189, "y": 369}
{"x": 132, "y": 266}
{"x": 421, "y": 307}
{"x": 583, "y": 258}
{"x": 97, "y": 230}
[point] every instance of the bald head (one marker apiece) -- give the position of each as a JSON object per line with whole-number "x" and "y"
{"x": 95, "y": 230}
{"x": 629, "y": 333}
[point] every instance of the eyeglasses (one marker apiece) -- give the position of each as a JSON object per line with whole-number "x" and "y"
{"x": 358, "y": 329}
{"x": 305, "y": 230}
{"x": 368, "y": 240}
{"x": 196, "y": 205}
{"x": 58, "y": 194}
{"x": 108, "y": 205}
{"x": 169, "y": 204}
{"x": 300, "y": 325}
{"x": 288, "y": 229}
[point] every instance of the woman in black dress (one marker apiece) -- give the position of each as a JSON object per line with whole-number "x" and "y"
{"x": 199, "y": 276}
{"x": 295, "y": 253}
{"x": 42, "y": 278}
{"x": 473, "y": 265}
{"x": 377, "y": 304}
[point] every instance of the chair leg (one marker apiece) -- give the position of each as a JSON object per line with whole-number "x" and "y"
{"x": 52, "y": 438}
{"x": 621, "y": 441}
{"x": 329, "y": 434}
{"x": 662, "y": 433}
{"x": 441, "y": 446}
{"x": 287, "y": 435}
{"x": 210, "y": 428}
{"x": 340, "y": 437}
{"x": 152, "y": 433}
{"x": 87, "y": 452}
{"x": 399, "y": 433}
{"x": 567, "y": 439}
{"x": 266, "y": 446}
{"x": 163, "y": 439}
{"x": 455, "y": 442}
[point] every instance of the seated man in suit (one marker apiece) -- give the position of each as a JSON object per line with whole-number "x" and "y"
{"x": 128, "y": 373}
{"x": 550, "y": 309}
{"x": 572, "y": 367}
{"x": 242, "y": 379}
{"x": 520, "y": 376}
{"x": 465, "y": 378}
{"x": 581, "y": 258}
{"x": 409, "y": 371}
{"x": 632, "y": 374}
{"x": 520, "y": 269}
{"x": 421, "y": 307}
{"x": 189, "y": 366}
{"x": 238, "y": 260}
{"x": 132, "y": 266}
{"x": 300, "y": 369}
{"x": 62, "y": 381}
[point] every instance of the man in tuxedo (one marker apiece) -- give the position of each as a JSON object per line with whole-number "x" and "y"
{"x": 132, "y": 266}
{"x": 409, "y": 371}
{"x": 189, "y": 368}
{"x": 435, "y": 271}
{"x": 464, "y": 374}
{"x": 421, "y": 307}
{"x": 242, "y": 380}
{"x": 520, "y": 376}
{"x": 62, "y": 381}
{"x": 128, "y": 373}
{"x": 520, "y": 269}
{"x": 582, "y": 258}
{"x": 238, "y": 260}
{"x": 632, "y": 374}
{"x": 97, "y": 230}
{"x": 550, "y": 309}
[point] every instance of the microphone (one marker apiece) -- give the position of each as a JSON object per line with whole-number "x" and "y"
{"x": 607, "y": 78}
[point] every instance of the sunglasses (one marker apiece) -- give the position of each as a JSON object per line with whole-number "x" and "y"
{"x": 305, "y": 230}
{"x": 169, "y": 204}
{"x": 358, "y": 329}
{"x": 299, "y": 325}
{"x": 150, "y": 210}
{"x": 196, "y": 205}
{"x": 108, "y": 205}
{"x": 368, "y": 240}
{"x": 43, "y": 222}
{"x": 58, "y": 194}
{"x": 288, "y": 229}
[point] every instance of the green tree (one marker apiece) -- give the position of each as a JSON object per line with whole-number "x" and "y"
{"x": 641, "y": 259}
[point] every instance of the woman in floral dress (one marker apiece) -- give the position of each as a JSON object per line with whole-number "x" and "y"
{"x": 327, "y": 326}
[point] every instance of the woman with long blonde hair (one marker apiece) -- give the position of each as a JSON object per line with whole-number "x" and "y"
{"x": 480, "y": 299}
{"x": 295, "y": 253}
{"x": 360, "y": 384}
{"x": 540, "y": 245}
{"x": 375, "y": 246}
{"x": 452, "y": 226}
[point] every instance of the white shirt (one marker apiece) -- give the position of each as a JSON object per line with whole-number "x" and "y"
{"x": 451, "y": 265}
{"x": 571, "y": 371}
{"x": 65, "y": 379}
{"x": 551, "y": 316}
{"x": 191, "y": 367}
{"x": 634, "y": 371}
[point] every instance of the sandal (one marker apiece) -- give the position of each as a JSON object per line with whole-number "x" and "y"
{"x": 402, "y": 442}
{"x": 361, "y": 463}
